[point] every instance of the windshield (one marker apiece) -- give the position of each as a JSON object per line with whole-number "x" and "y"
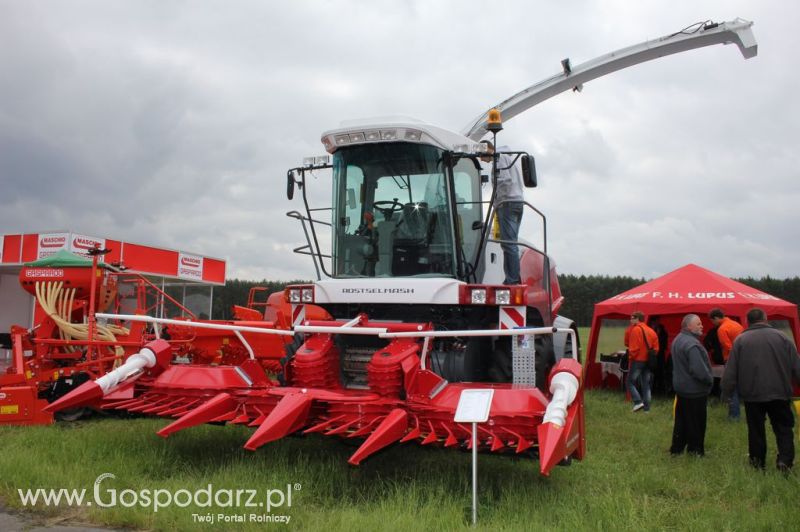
{"x": 392, "y": 213}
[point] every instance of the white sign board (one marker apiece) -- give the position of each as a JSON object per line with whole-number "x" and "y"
{"x": 52, "y": 243}
{"x": 474, "y": 406}
{"x": 81, "y": 244}
{"x": 2, "y": 241}
{"x": 190, "y": 267}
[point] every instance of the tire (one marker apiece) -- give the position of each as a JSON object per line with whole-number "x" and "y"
{"x": 60, "y": 388}
{"x": 545, "y": 360}
{"x": 462, "y": 365}
{"x": 501, "y": 365}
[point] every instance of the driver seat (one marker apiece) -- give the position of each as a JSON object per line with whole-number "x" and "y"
{"x": 411, "y": 239}
{"x": 385, "y": 230}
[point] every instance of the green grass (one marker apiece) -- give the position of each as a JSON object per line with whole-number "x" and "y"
{"x": 609, "y": 341}
{"x": 628, "y": 480}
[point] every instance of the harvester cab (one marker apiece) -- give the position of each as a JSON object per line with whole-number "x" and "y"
{"x": 412, "y": 240}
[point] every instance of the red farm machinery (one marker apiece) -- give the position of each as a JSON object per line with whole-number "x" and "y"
{"x": 407, "y": 312}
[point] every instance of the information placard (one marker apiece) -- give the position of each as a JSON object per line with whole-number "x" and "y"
{"x": 474, "y": 406}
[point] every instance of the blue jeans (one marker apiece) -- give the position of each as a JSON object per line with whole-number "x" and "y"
{"x": 640, "y": 376}
{"x": 733, "y": 405}
{"x": 509, "y": 216}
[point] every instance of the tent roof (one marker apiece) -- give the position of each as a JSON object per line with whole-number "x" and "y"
{"x": 693, "y": 289}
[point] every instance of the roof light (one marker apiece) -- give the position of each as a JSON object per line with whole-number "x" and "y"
{"x": 341, "y": 140}
{"x": 373, "y": 135}
{"x": 389, "y": 134}
{"x": 308, "y": 161}
{"x": 321, "y": 160}
{"x": 413, "y": 134}
{"x": 356, "y": 137}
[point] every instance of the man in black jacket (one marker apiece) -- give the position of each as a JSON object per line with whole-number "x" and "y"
{"x": 692, "y": 381}
{"x": 762, "y": 363}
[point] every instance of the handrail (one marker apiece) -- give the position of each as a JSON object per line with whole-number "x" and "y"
{"x": 298, "y": 216}
{"x": 157, "y": 289}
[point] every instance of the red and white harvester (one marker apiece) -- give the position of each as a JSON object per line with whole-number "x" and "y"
{"x": 408, "y": 310}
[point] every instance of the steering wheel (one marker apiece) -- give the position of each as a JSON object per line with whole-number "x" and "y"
{"x": 387, "y": 207}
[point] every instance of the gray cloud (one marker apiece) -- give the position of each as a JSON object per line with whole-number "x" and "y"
{"x": 173, "y": 123}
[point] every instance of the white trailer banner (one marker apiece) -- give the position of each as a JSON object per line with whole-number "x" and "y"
{"x": 190, "y": 267}
{"x": 81, "y": 244}
{"x": 52, "y": 243}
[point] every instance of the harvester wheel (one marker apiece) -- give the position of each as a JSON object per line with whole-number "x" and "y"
{"x": 63, "y": 386}
{"x": 545, "y": 360}
{"x": 501, "y": 369}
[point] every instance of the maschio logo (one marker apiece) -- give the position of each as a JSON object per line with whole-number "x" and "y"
{"x": 190, "y": 266}
{"x": 50, "y": 242}
{"x": 84, "y": 243}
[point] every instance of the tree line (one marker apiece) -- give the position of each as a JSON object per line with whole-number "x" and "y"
{"x": 581, "y": 292}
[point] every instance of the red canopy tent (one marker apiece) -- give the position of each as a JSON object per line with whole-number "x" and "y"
{"x": 690, "y": 289}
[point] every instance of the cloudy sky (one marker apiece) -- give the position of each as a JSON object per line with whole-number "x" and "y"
{"x": 173, "y": 123}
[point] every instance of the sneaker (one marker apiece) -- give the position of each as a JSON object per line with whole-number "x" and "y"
{"x": 637, "y": 407}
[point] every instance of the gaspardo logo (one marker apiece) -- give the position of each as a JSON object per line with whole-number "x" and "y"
{"x": 105, "y": 495}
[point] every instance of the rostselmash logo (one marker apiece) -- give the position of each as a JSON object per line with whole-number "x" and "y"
{"x": 377, "y": 290}
{"x": 105, "y": 495}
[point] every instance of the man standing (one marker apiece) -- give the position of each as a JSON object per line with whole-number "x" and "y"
{"x": 727, "y": 331}
{"x": 761, "y": 365}
{"x": 638, "y": 339}
{"x": 692, "y": 381}
{"x": 508, "y": 202}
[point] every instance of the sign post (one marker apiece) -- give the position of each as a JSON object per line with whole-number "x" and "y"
{"x": 473, "y": 407}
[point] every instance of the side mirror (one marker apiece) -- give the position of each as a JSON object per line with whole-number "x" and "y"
{"x": 290, "y": 185}
{"x": 529, "y": 171}
{"x": 484, "y": 178}
{"x": 477, "y": 224}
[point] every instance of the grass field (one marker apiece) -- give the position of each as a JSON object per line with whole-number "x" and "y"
{"x": 628, "y": 481}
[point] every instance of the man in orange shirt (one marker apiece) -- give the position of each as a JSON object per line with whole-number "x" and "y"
{"x": 638, "y": 339}
{"x": 727, "y": 331}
